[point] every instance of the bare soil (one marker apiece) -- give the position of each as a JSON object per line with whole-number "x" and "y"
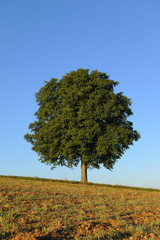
{"x": 37, "y": 210}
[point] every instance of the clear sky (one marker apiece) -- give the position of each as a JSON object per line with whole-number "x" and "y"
{"x": 44, "y": 39}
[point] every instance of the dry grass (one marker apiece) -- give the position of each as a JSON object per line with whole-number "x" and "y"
{"x": 32, "y": 209}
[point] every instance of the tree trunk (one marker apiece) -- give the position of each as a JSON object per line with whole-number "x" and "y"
{"x": 84, "y": 172}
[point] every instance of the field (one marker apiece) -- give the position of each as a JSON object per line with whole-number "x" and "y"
{"x": 35, "y": 209}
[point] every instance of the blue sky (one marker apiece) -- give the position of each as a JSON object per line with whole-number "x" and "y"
{"x": 44, "y": 39}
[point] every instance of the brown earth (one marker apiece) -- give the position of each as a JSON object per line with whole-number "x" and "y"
{"x": 36, "y": 210}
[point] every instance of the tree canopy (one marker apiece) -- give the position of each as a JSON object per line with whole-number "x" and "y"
{"x": 81, "y": 119}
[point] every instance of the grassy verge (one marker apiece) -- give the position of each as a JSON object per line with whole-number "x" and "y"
{"x": 78, "y": 182}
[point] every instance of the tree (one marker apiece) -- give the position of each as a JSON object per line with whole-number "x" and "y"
{"x": 81, "y": 119}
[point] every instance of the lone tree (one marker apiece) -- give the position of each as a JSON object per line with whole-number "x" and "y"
{"x": 81, "y": 119}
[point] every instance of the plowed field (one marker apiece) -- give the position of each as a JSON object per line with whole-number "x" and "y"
{"x": 31, "y": 209}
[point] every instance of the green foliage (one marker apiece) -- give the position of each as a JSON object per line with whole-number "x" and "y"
{"x": 80, "y": 118}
